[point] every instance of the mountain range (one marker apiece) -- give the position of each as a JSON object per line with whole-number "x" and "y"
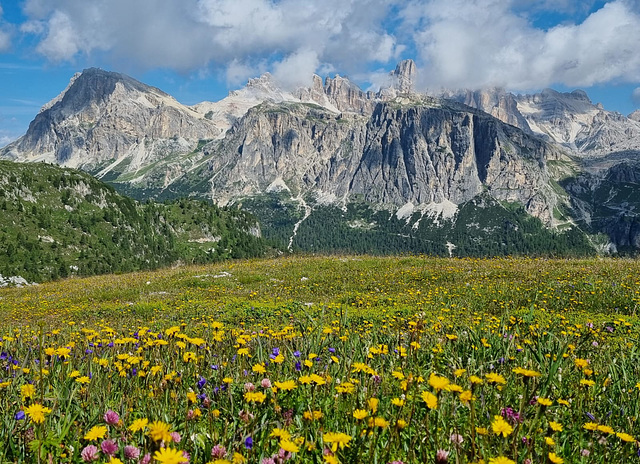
{"x": 332, "y": 167}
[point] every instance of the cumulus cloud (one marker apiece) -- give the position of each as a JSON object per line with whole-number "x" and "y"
{"x": 484, "y": 43}
{"x": 5, "y": 34}
{"x": 457, "y": 43}
{"x": 240, "y": 35}
{"x": 297, "y": 69}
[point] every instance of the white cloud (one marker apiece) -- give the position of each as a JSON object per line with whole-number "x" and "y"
{"x": 459, "y": 43}
{"x": 5, "y": 34}
{"x": 296, "y": 70}
{"x": 190, "y": 34}
{"x": 61, "y": 41}
{"x": 483, "y": 43}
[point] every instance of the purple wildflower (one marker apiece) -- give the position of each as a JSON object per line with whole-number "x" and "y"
{"x": 89, "y": 453}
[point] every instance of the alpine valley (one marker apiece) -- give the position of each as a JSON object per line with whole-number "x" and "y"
{"x": 331, "y": 167}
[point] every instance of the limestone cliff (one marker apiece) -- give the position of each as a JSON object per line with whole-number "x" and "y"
{"x": 416, "y": 154}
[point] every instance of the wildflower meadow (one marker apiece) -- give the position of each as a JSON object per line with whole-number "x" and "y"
{"x": 326, "y": 360}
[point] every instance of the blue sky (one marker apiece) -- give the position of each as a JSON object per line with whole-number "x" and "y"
{"x": 198, "y": 50}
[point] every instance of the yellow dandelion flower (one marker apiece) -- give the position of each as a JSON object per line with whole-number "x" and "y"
{"x": 159, "y": 431}
{"x": 555, "y": 426}
{"x": 625, "y": 437}
{"x": 280, "y": 433}
{"x": 289, "y": 446}
{"x": 581, "y": 363}
{"x": 345, "y": 387}
{"x": 259, "y": 368}
{"x": 36, "y": 412}
{"x": 438, "y": 382}
{"x": 492, "y": 377}
{"x": 501, "y": 460}
{"x": 430, "y": 399}
{"x": 138, "y": 424}
{"x": 501, "y": 427}
{"x": 317, "y": 379}
{"x": 397, "y": 402}
{"x": 287, "y": 385}
{"x": 331, "y": 459}
{"x": 27, "y": 391}
{"x": 169, "y": 456}
{"x": 238, "y": 458}
{"x": 255, "y": 397}
{"x": 605, "y": 429}
{"x": 544, "y": 401}
{"x": 590, "y": 426}
{"x": 466, "y": 396}
{"x": 555, "y": 459}
{"x": 336, "y": 439}
{"x": 360, "y": 414}
{"x": 372, "y": 403}
{"x": 526, "y": 372}
{"x": 549, "y": 441}
{"x": 97, "y": 432}
{"x": 189, "y": 356}
{"x": 381, "y": 422}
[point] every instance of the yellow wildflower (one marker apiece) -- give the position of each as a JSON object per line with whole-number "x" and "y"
{"x": 360, "y": 414}
{"x": 138, "y": 424}
{"x": 97, "y": 432}
{"x": 555, "y": 459}
{"x": 430, "y": 399}
{"x": 169, "y": 456}
{"x": 36, "y": 412}
{"x": 501, "y": 427}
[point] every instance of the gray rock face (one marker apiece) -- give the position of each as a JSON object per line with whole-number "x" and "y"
{"x": 347, "y": 96}
{"x": 569, "y": 119}
{"x": 635, "y": 116}
{"x": 401, "y": 154}
{"x": 498, "y": 103}
{"x": 104, "y": 117}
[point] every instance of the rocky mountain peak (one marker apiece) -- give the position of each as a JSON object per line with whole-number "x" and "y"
{"x": 96, "y": 86}
{"x": 580, "y": 95}
{"x": 635, "y": 116}
{"x": 404, "y": 76}
{"x": 105, "y": 116}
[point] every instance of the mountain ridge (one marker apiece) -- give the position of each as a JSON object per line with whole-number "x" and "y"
{"x": 331, "y": 143}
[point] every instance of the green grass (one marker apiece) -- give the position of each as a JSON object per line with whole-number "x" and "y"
{"x": 554, "y": 344}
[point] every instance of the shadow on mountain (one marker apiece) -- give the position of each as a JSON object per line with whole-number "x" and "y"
{"x": 605, "y": 199}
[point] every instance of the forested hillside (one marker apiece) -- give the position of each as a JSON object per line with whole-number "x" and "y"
{"x": 58, "y": 222}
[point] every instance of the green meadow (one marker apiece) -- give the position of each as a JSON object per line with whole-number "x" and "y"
{"x": 326, "y": 359}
